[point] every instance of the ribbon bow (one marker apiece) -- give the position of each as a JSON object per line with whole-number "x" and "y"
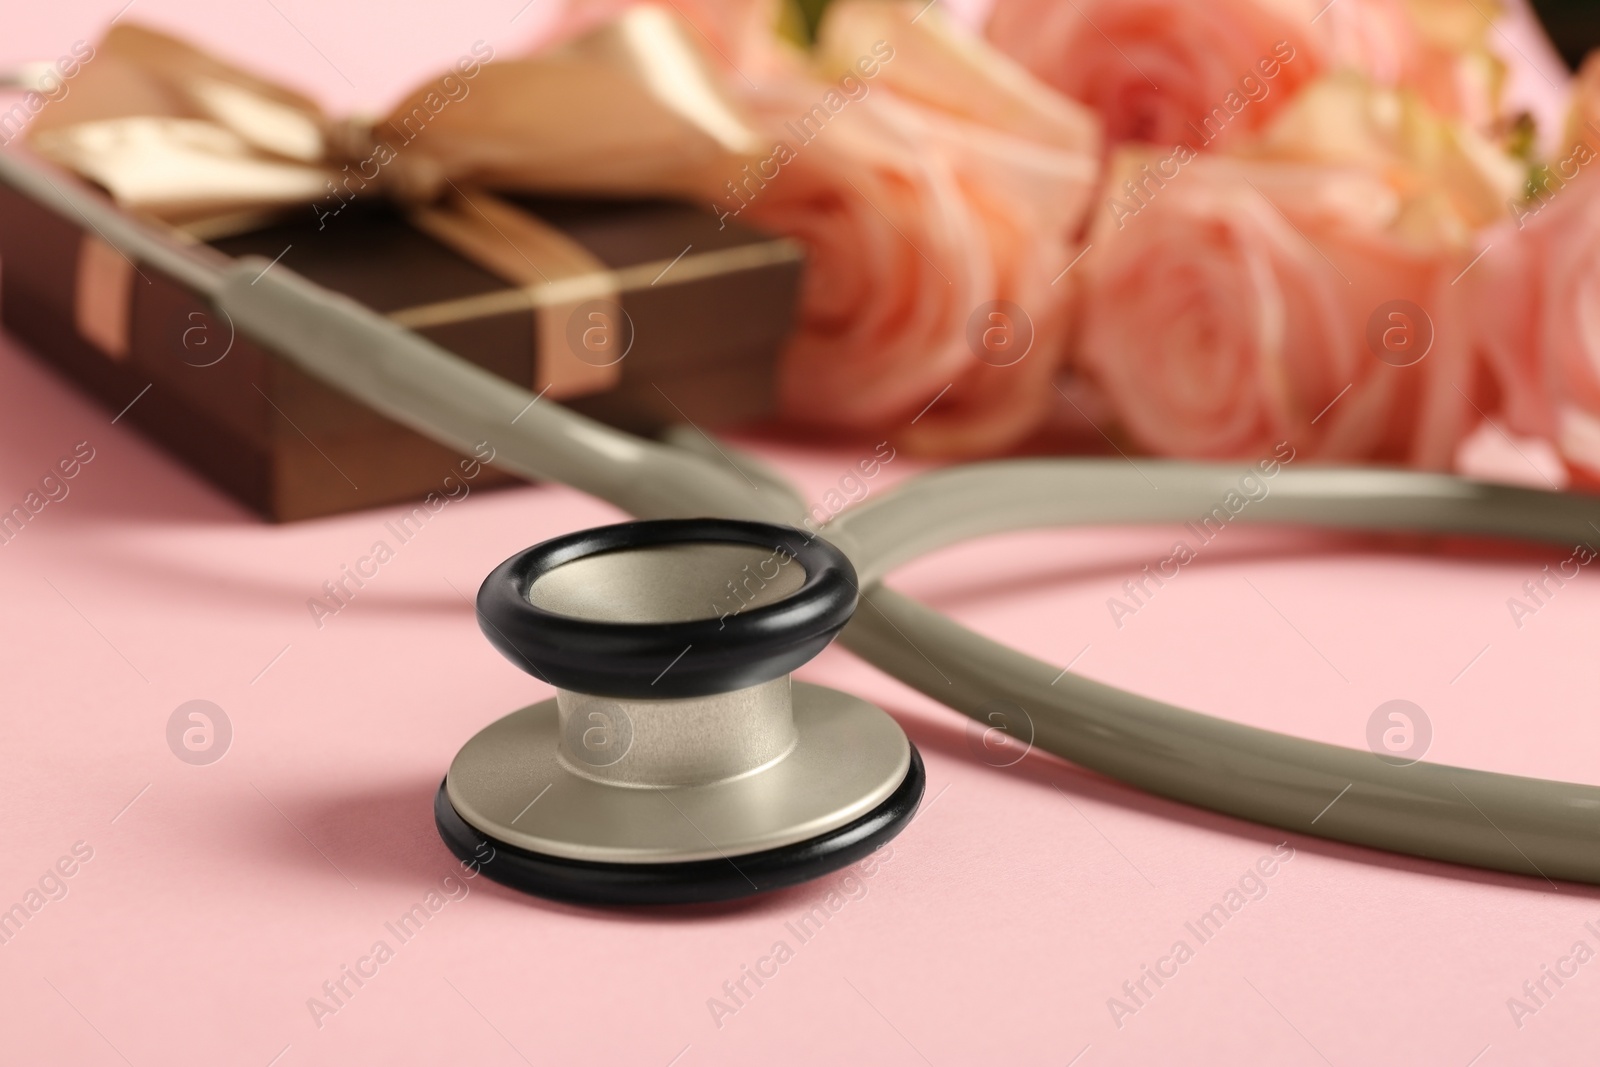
{"x": 629, "y": 109}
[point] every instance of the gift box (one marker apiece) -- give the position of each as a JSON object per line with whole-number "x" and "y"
{"x": 563, "y": 248}
{"x": 687, "y": 324}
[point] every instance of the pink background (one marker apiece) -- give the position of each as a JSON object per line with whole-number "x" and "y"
{"x": 220, "y": 898}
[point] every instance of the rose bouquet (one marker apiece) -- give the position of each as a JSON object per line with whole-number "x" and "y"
{"x": 1217, "y": 223}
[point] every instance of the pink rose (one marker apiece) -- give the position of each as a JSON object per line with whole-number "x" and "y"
{"x": 1232, "y": 313}
{"x": 1161, "y": 70}
{"x": 1534, "y": 307}
{"x": 935, "y": 185}
{"x": 1303, "y": 293}
{"x": 1199, "y": 72}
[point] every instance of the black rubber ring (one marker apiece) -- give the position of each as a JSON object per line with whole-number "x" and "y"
{"x": 735, "y": 650}
{"x": 691, "y": 882}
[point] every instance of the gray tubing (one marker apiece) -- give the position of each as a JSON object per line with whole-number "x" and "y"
{"x": 1498, "y": 821}
{"x": 1501, "y": 822}
{"x": 123, "y": 232}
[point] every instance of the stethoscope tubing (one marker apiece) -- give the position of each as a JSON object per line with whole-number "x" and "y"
{"x": 1500, "y": 822}
{"x": 1540, "y": 828}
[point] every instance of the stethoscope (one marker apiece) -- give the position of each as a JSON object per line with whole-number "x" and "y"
{"x": 678, "y": 762}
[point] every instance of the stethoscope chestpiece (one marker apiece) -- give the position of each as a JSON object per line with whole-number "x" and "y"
{"x": 678, "y": 761}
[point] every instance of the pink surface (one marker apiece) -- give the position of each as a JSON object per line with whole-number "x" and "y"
{"x": 220, "y": 898}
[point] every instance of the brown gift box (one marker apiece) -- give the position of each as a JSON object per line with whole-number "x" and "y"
{"x": 704, "y": 309}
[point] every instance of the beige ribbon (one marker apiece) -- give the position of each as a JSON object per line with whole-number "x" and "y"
{"x": 629, "y": 109}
